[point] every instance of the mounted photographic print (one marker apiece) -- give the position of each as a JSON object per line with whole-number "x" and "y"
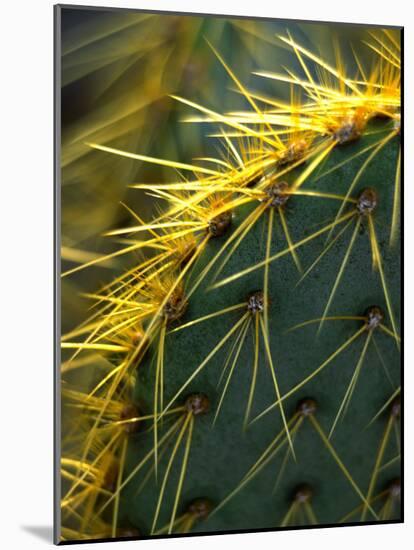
{"x": 228, "y": 274}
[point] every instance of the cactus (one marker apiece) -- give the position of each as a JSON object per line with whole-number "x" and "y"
{"x": 252, "y": 356}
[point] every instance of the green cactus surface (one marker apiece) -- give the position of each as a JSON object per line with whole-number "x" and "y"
{"x": 222, "y": 453}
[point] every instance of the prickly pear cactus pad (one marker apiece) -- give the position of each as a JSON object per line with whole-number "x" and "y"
{"x": 231, "y": 312}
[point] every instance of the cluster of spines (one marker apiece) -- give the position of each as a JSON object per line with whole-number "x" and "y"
{"x": 139, "y": 308}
